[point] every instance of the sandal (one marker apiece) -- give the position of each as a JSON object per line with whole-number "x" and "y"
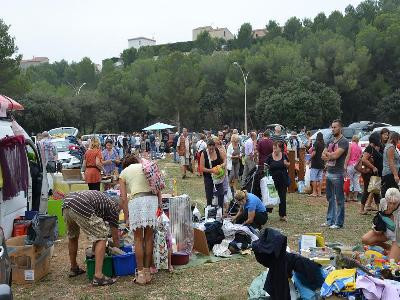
{"x": 147, "y": 275}
{"x": 76, "y": 272}
{"x": 103, "y": 281}
{"x": 140, "y": 278}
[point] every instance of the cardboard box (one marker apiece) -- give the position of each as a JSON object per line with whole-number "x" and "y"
{"x": 40, "y": 268}
{"x": 22, "y": 255}
{"x": 200, "y": 242}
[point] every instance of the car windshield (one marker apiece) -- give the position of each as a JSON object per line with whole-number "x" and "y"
{"x": 62, "y": 146}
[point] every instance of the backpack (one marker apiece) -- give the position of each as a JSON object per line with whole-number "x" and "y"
{"x": 153, "y": 175}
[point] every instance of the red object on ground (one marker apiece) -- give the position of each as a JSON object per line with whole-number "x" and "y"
{"x": 20, "y": 229}
{"x": 346, "y": 186}
{"x": 12, "y": 104}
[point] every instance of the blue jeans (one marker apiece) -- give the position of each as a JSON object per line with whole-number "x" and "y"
{"x": 335, "y": 196}
{"x": 175, "y": 155}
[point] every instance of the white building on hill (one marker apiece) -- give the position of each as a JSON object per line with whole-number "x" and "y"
{"x": 140, "y": 42}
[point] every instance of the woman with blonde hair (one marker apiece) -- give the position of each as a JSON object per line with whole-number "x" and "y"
{"x": 352, "y": 158}
{"x": 252, "y": 211}
{"x": 233, "y": 160}
{"x": 93, "y": 165}
{"x": 390, "y": 212}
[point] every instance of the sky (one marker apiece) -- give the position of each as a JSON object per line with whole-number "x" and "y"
{"x": 99, "y": 29}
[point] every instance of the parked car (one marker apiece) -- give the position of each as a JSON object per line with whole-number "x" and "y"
{"x": 367, "y": 126}
{"x": 348, "y": 133}
{"x": 64, "y": 148}
{"x": 391, "y": 129}
{"x": 5, "y": 263}
{"x": 16, "y": 206}
{"x": 63, "y": 132}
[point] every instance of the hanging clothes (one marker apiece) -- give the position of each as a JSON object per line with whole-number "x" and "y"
{"x": 270, "y": 251}
{"x": 14, "y": 165}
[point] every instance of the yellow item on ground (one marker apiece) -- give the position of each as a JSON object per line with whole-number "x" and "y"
{"x": 341, "y": 274}
{"x": 320, "y": 239}
{"x": 1, "y": 179}
{"x": 370, "y": 253}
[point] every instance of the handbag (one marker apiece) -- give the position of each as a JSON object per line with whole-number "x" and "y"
{"x": 51, "y": 167}
{"x": 374, "y": 185}
{"x": 361, "y": 168}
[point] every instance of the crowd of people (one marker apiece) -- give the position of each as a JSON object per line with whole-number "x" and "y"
{"x": 224, "y": 161}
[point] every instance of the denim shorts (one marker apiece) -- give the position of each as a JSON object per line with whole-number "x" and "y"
{"x": 316, "y": 174}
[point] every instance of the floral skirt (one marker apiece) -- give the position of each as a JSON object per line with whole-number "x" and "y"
{"x": 143, "y": 212}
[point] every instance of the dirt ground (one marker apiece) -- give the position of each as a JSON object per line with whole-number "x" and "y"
{"x": 222, "y": 280}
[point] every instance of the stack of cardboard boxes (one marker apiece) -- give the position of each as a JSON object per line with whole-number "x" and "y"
{"x": 29, "y": 263}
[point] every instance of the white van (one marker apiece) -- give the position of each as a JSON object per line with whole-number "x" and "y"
{"x": 16, "y": 206}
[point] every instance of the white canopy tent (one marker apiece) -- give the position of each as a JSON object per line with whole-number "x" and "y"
{"x": 158, "y": 126}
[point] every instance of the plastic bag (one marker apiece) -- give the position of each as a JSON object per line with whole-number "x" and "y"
{"x": 181, "y": 224}
{"x": 307, "y": 177}
{"x": 374, "y": 185}
{"x": 43, "y": 231}
{"x": 160, "y": 249}
{"x": 196, "y": 214}
{"x": 213, "y": 212}
{"x": 269, "y": 193}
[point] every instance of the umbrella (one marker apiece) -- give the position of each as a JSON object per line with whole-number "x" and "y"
{"x": 158, "y": 126}
{"x": 10, "y": 103}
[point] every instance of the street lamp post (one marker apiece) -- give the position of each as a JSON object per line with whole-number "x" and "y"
{"x": 245, "y": 95}
{"x": 79, "y": 89}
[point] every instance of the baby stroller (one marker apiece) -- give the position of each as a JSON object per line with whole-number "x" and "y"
{"x": 252, "y": 182}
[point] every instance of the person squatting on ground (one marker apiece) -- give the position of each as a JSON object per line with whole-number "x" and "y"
{"x": 389, "y": 207}
{"x": 335, "y": 155}
{"x": 251, "y": 212}
{"x": 140, "y": 212}
{"x": 94, "y": 213}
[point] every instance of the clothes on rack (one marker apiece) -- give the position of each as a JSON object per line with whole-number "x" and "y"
{"x": 14, "y": 166}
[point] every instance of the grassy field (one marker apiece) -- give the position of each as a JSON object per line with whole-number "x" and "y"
{"x": 222, "y": 280}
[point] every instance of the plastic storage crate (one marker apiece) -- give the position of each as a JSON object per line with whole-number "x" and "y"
{"x": 107, "y": 267}
{"x": 124, "y": 264}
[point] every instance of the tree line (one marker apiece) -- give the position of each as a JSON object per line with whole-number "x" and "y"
{"x": 303, "y": 73}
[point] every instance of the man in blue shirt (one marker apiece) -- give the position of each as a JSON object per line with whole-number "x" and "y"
{"x": 252, "y": 211}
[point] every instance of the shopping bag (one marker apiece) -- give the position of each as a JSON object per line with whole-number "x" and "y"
{"x": 374, "y": 185}
{"x": 269, "y": 194}
{"x": 160, "y": 246}
{"x": 346, "y": 186}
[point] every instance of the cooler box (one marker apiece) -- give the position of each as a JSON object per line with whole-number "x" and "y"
{"x": 107, "y": 267}
{"x": 55, "y": 209}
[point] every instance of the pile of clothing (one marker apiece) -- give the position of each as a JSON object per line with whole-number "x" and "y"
{"x": 310, "y": 279}
{"x": 225, "y": 238}
{"x": 271, "y": 251}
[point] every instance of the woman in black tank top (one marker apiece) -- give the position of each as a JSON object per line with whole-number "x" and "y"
{"x": 217, "y": 158}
